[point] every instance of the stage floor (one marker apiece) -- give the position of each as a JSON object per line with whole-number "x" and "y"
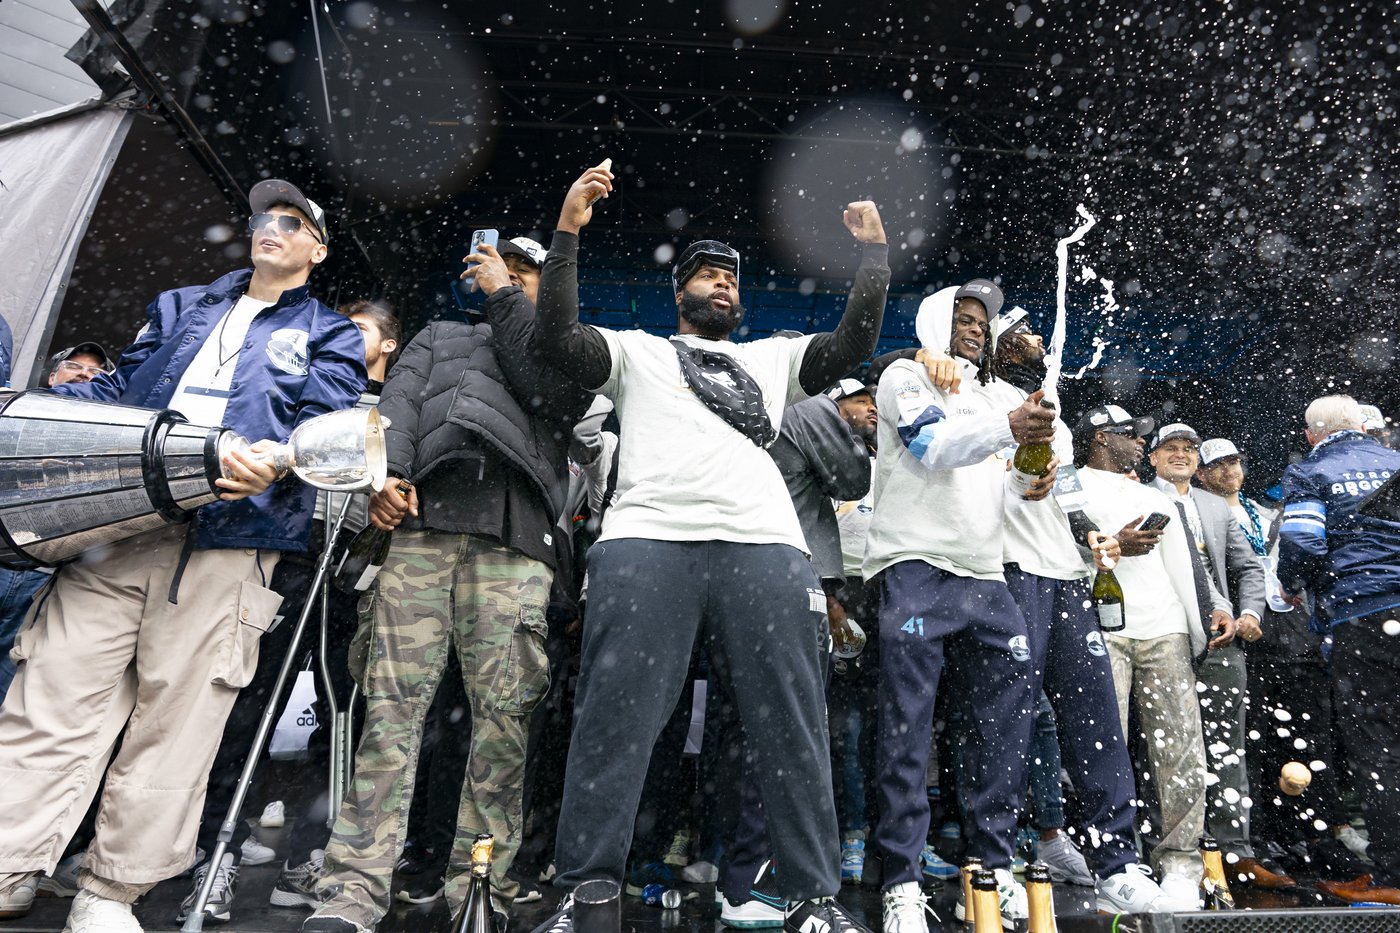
{"x": 1074, "y": 911}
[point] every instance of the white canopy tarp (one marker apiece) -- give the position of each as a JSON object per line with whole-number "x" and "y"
{"x": 52, "y": 170}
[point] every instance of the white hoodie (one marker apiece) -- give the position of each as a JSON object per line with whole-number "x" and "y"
{"x": 938, "y": 480}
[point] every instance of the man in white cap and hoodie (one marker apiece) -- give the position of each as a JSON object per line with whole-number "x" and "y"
{"x": 935, "y": 550}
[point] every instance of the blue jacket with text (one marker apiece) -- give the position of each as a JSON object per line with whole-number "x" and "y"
{"x": 1350, "y": 561}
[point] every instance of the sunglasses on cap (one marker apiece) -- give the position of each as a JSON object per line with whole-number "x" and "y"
{"x": 287, "y": 224}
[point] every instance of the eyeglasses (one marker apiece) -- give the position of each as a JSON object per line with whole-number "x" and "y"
{"x": 72, "y": 366}
{"x": 1123, "y": 430}
{"x": 967, "y": 320}
{"x": 287, "y": 224}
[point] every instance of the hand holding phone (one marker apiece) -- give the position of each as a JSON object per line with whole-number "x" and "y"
{"x": 1155, "y": 522}
{"x": 489, "y": 238}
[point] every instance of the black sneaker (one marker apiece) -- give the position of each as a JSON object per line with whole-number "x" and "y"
{"x": 415, "y": 860}
{"x": 563, "y": 919}
{"x": 529, "y": 891}
{"x": 423, "y": 889}
{"x": 823, "y": 915}
{"x": 315, "y": 924}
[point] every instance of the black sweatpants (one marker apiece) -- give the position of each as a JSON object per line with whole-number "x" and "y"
{"x": 1366, "y": 688}
{"x": 762, "y": 613}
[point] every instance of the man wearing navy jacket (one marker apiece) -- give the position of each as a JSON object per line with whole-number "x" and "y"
{"x": 1350, "y": 561}
{"x": 156, "y": 635}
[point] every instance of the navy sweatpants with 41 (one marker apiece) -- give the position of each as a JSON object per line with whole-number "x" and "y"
{"x": 927, "y": 615}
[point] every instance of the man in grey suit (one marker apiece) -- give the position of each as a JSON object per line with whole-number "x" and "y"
{"x": 1230, "y": 569}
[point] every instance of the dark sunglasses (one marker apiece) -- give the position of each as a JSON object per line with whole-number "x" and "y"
{"x": 288, "y": 224}
{"x": 1124, "y": 430}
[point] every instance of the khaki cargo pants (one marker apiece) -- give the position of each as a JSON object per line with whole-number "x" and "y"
{"x": 107, "y": 650}
{"x": 438, "y": 593}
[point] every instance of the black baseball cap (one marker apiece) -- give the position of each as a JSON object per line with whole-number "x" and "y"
{"x": 88, "y": 347}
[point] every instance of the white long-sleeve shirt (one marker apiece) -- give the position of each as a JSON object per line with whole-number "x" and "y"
{"x": 938, "y": 478}
{"x": 1159, "y": 588}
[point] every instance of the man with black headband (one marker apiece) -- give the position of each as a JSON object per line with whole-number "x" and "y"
{"x": 702, "y": 541}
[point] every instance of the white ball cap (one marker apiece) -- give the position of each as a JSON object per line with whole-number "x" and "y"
{"x": 1217, "y": 448}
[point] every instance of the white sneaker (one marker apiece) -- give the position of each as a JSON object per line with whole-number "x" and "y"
{"x": 905, "y": 908}
{"x": 1132, "y": 891}
{"x": 1181, "y": 892}
{"x": 220, "y": 904}
{"x": 700, "y": 873}
{"x": 274, "y": 815}
{"x": 91, "y": 913}
{"x": 1065, "y": 861}
{"x": 255, "y": 853}
{"x": 750, "y": 915}
{"x": 18, "y": 900}
{"x": 1355, "y": 842}
{"x": 1012, "y": 896}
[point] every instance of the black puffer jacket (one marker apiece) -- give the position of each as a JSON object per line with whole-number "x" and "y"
{"x": 458, "y": 387}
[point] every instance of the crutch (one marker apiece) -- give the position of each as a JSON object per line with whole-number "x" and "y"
{"x": 342, "y": 746}
{"x": 194, "y": 923}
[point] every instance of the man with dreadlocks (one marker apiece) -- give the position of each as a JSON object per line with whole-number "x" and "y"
{"x": 935, "y": 550}
{"x": 1048, "y": 578}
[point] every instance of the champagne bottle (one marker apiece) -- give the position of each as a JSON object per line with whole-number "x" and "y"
{"x": 1040, "y": 899}
{"x": 476, "y": 915}
{"x": 1031, "y": 461}
{"x": 986, "y": 904}
{"x": 1215, "y": 891}
{"x": 1108, "y": 600}
{"x": 365, "y": 556}
{"x": 969, "y": 868}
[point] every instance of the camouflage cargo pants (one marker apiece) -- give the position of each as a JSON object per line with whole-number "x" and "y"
{"x": 438, "y": 592}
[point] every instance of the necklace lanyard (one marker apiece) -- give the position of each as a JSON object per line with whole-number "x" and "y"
{"x": 1256, "y": 536}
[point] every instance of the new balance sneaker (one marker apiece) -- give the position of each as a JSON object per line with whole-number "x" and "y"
{"x": 1132, "y": 891}
{"x": 852, "y": 860}
{"x": 64, "y": 880}
{"x": 1065, "y": 861}
{"x": 296, "y": 885}
{"x": 935, "y": 866}
{"x": 93, "y": 914}
{"x": 220, "y": 904}
{"x": 18, "y": 901}
{"x": 563, "y": 919}
{"x": 700, "y": 873}
{"x": 823, "y": 915}
{"x": 752, "y": 914}
{"x": 255, "y": 853}
{"x": 650, "y": 873}
{"x": 678, "y": 856}
{"x": 1012, "y": 897}
{"x": 906, "y": 909}
{"x": 1181, "y": 892}
{"x": 274, "y": 815}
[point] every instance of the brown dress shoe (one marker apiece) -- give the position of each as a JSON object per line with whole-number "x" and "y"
{"x": 1254, "y": 872}
{"x": 1355, "y": 891}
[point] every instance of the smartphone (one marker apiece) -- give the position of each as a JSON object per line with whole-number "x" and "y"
{"x": 481, "y": 238}
{"x": 1154, "y": 522}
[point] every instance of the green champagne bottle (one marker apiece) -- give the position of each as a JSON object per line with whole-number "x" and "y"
{"x": 1031, "y": 462}
{"x": 1108, "y": 600}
